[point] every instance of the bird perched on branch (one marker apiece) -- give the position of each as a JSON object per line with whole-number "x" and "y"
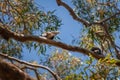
{"x": 96, "y": 50}
{"x": 50, "y": 35}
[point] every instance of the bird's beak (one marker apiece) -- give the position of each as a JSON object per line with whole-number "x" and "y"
{"x": 56, "y": 32}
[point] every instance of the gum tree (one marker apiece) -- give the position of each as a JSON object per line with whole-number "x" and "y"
{"x": 22, "y": 23}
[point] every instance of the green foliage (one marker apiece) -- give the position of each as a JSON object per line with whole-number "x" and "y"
{"x": 63, "y": 63}
{"x": 105, "y": 68}
{"x": 73, "y": 77}
{"x": 93, "y": 11}
{"x": 11, "y": 48}
{"x": 24, "y": 16}
{"x": 69, "y": 67}
{"x": 91, "y": 69}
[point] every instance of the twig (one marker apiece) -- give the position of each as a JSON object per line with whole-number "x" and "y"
{"x": 112, "y": 4}
{"x": 113, "y": 16}
{"x": 118, "y": 47}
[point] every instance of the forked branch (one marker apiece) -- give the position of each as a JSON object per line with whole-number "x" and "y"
{"x": 72, "y": 13}
{"x": 30, "y": 64}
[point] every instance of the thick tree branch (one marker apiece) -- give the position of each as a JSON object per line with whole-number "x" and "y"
{"x": 9, "y": 71}
{"x": 23, "y": 38}
{"x": 30, "y": 64}
{"x": 85, "y": 22}
{"x": 60, "y": 3}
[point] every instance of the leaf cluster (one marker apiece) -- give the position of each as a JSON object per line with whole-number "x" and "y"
{"x": 25, "y": 17}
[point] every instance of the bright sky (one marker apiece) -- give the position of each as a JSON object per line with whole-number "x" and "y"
{"x": 69, "y": 28}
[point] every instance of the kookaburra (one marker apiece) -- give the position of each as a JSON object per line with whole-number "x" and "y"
{"x": 96, "y": 50}
{"x": 50, "y": 35}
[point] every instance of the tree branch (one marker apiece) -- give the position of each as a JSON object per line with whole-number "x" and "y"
{"x": 9, "y": 71}
{"x": 60, "y": 3}
{"x": 35, "y": 71}
{"x": 23, "y": 38}
{"x": 85, "y": 22}
{"x": 105, "y": 27}
{"x": 29, "y": 64}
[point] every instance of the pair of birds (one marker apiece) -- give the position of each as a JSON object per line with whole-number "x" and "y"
{"x": 52, "y": 34}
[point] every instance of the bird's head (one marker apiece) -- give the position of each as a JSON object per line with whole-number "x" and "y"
{"x": 50, "y": 35}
